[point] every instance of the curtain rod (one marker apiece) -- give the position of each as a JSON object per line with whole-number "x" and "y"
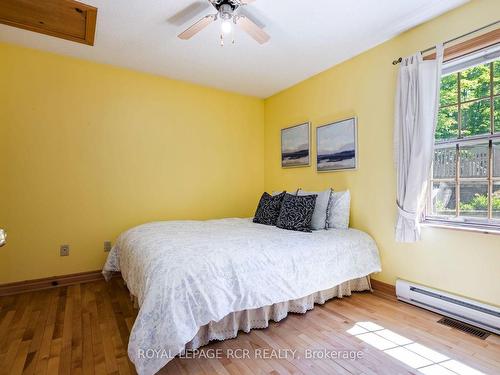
{"x": 397, "y": 61}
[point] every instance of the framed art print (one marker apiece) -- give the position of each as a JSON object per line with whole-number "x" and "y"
{"x": 337, "y": 146}
{"x": 295, "y": 146}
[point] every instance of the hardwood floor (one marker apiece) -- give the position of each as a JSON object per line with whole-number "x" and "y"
{"x": 83, "y": 329}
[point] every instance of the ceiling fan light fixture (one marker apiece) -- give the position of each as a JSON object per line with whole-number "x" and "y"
{"x": 226, "y": 26}
{"x": 227, "y": 12}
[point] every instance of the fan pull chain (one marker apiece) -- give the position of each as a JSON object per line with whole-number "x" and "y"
{"x": 233, "y": 41}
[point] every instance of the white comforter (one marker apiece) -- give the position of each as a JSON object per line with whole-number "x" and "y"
{"x": 188, "y": 273}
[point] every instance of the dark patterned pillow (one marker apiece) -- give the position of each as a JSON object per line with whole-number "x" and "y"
{"x": 268, "y": 209}
{"x": 297, "y": 212}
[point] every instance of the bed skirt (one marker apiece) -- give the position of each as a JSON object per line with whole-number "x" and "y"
{"x": 259, "y": 318}
{"x": 245, "y": 321}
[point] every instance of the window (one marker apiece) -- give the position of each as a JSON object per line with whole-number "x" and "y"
{"x": 465, "y": 178}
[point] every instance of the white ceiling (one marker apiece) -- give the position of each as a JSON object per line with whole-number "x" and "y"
{"x": 307, "y": 37}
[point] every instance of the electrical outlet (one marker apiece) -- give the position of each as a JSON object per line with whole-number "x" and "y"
{"x": 64, "y": 250}
{"x": 107, "y": 246}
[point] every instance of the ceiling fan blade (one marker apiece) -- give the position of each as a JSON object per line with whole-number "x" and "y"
{"x": 253, "y": 30}
{"x": 197, "y": 27}
{"x": 188, "y": 13}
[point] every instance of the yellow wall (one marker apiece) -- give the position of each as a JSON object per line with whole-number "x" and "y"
{"x": 460, "y": 262}
{"x": 89, "y": 150}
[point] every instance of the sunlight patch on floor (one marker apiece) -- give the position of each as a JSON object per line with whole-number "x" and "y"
{"x": 413, "y": 354}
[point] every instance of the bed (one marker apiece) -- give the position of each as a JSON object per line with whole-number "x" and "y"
{"x": 196, "y": 281}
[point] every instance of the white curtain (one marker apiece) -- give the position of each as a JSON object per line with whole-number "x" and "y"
{"x": 417, "y": 102}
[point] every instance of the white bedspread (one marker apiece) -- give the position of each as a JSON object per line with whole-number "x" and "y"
{"x": 188, "y": 273}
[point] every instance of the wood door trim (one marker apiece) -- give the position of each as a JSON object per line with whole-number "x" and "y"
{"x": 36, "y": 24}
{"x": 91, "y": 21}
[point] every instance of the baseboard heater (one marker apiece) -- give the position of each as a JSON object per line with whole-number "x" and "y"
{"x": 456, "y": 307}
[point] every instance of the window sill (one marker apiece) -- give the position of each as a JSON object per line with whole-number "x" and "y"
{"x": 467, "y": 227}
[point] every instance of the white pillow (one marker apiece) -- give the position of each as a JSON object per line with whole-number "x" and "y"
{"x": 338, "y": 210}
{"x": 320, "y": 209}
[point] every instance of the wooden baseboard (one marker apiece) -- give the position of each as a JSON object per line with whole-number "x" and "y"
{"x": 383, "y": 288}
{"x": 49, "y": 282}
{"x": 85, "y": 277}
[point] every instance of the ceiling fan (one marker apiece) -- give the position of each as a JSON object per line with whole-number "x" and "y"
{"x": 228, "y": 13}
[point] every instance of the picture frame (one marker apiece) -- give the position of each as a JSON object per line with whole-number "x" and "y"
{"x": 337, "y": 146}
{"x": 296, "y": 146}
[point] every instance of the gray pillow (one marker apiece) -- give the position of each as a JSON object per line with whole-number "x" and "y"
{"x": 319, "y": 218}
{"x": 338, "y": 212}
{"x": 274, "y": 193}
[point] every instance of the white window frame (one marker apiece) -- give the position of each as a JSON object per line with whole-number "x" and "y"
{"x": 489, "y": 224}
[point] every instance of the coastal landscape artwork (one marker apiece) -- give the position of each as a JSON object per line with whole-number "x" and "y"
{"x": 295, "y": 146}
{"x": 336, "y": 146}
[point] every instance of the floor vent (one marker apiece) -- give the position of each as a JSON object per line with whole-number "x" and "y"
{"x": 471, "y": 330}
